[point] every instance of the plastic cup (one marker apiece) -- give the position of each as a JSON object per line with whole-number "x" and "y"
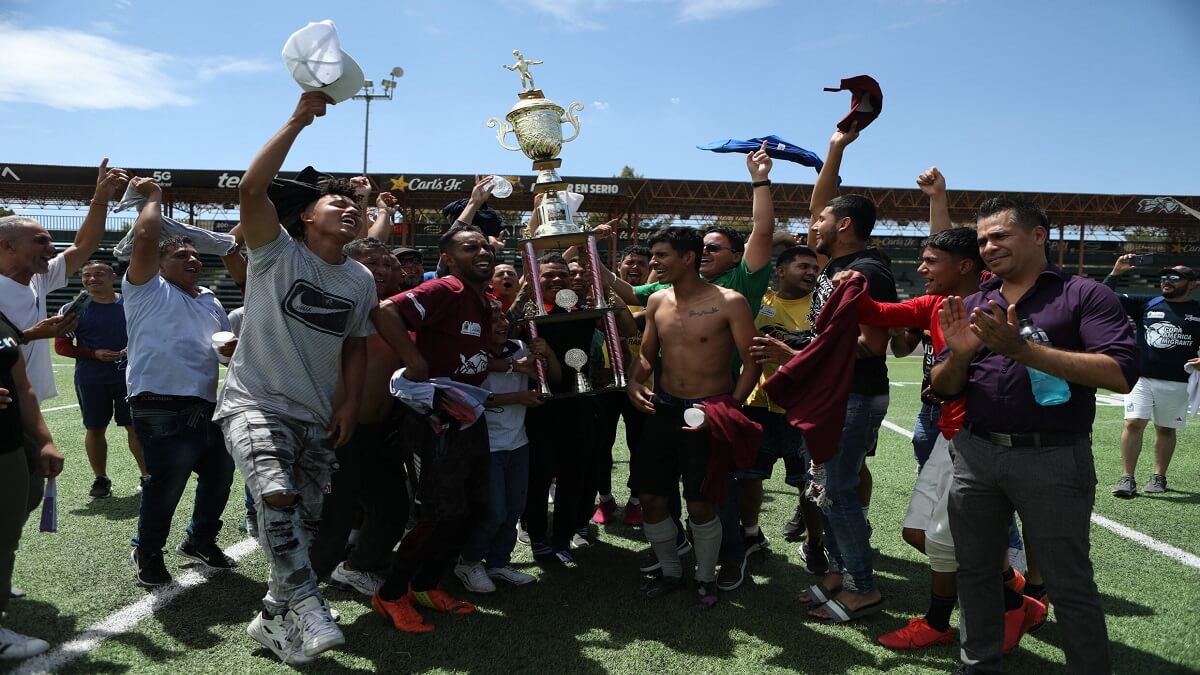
{"x": 501, "y": 188}
{"x": 693, "y": 417}
{"x": 219, "y": 339}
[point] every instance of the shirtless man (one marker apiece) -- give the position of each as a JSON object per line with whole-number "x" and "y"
{"x": 697, "y": 328}
{"x": 370, "y": 479}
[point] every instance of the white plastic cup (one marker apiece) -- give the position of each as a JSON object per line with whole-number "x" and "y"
{"x": 693, "y": 417}
{"x": 501, "y": 188}
{"x": 219, "y": 339}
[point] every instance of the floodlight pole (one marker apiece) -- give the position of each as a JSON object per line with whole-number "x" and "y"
{"x": 368, "y": 94}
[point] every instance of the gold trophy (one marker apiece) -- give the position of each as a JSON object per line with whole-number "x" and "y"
{"x": 537, "y": 122}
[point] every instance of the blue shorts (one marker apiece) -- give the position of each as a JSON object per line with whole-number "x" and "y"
{"x": 780, "y": 440}
{"x": 99, "y": 403}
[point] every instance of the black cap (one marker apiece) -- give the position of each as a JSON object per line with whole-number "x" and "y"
{"x": 1182, "y": 270}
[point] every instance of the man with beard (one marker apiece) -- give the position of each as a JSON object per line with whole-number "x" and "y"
{"x": 696, "y": 327}
{"x": 505, "y": 284}
{"x": 1168, "y": 337}
{"x": 840, "y": 229}
{"x": 307, "y": 304}
{"x": 1016, "y": 453}
{"x": 448, "y": 317}
{"x": 782, "y": 319}
{"x": 368, "y": 491}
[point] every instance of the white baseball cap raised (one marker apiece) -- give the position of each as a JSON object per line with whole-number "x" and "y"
{"x": 315, "y": 58}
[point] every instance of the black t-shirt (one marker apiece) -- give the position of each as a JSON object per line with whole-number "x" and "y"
{"x": 11, "y": 429}
{"x": 870, "y": 374}
{"x": 1168, "y": 335}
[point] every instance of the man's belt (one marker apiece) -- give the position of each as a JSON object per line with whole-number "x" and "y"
{"x": 1028, "y": 439}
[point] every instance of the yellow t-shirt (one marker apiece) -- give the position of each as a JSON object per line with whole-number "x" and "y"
{"x": 790, "y": 315}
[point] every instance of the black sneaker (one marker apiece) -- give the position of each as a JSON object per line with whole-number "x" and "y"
{"x": 101, "y": 487}
{"x": 706, "y": 594}
{"x": 210, "y": 554}
{"x": 756, "y": 543}
{"x": 542, "y": 552}
{"x": 149, "y": 567}
{"x": 794, "y": 531}
{"x": 816, "y": 561}
{"x": 731, "y": 575}
{"x": 660, "y": 586}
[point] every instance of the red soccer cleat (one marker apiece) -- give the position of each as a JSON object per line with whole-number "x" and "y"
{"x": 605, "y": 511}
{"x": 404, "y": 617}
{"x": 918, "y": 634}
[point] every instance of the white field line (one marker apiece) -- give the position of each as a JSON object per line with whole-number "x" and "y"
{"x": 124, "y": 619}
{"x": 1177, "y": 554}
{"x": 61, "y": 407}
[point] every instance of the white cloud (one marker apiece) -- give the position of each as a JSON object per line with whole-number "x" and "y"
{"x": 73, "y": 70}
{"x": 675, "y": 100}
{"x": 123, "y": 4}
{"x": 207, "y": 70}
{"x": 703, "y": 10}
{"x": 600, "y": 105}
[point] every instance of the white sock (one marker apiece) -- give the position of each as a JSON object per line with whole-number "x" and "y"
{"x": 706, "y": 538}
{"x": 662, "y": 540}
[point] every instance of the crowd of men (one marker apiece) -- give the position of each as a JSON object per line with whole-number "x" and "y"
{"x": 347, "y": 486}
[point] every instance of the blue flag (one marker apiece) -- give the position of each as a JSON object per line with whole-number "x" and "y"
{"x": 777, "y": 148}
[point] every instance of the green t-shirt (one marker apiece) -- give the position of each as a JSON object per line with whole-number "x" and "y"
{"x": 752, "y": 285}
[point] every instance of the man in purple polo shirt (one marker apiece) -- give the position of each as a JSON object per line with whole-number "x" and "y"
{"x": 1013, "y": 452}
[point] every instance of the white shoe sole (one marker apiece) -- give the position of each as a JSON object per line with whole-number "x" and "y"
{"x": 324, "y": 646}
{"x": 260, "y": 636}
{"x": 465, "y": 579}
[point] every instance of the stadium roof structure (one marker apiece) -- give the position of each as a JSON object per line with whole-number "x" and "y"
{"x": 46, "y": 186}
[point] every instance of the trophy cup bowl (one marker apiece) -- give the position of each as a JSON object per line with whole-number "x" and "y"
{"x": 537, "y": 122}
{"x": 576, "y": 359}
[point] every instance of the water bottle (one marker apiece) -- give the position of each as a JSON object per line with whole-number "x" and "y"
{"x": 501, "y": 188}
{"x": 1047, "y": 389}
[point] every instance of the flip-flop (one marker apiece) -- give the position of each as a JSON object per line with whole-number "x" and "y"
{"x": 839, "y": 613}
{"x": 819, "y": 595}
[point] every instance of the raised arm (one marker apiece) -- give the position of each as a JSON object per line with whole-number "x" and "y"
{"x": 143, "y": 261}
{"x": 758, "y": 246}
{"x": 91, "y": 232}
{"x": 385, "y": 206}
{"x": 933, "y": 184}
{"x": 391, "y": 327}
{"x": 260, "y": 222}
{"x": 826, "y": 187}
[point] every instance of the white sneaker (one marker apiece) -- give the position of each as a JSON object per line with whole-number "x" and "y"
{"x": 317, "y": 631}
{"x": 280, "y": 636}
{"x": 364, "y": 582}
{"x": 14, "y": 646}
{"x": 473, "y": 578}
{"x": 512, "y": 576}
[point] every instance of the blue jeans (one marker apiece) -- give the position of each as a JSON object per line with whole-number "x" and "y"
{"x": 846, "y": 534}
{"x": 925, "y": 432}
{"x": 493, "y": 538}
{"x": 179, "y": 438}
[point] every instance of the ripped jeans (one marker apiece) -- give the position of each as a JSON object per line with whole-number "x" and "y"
{"x": 280, "y": 455}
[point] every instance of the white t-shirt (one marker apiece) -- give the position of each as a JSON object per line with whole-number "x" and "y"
{"x": 506, "y": 424}
{"x": 25, "y": 306}
{"x": 299, "y": 310}
{"x": 170, "y": 339}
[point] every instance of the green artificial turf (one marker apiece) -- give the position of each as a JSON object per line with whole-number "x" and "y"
{"x": 589, "y": 619}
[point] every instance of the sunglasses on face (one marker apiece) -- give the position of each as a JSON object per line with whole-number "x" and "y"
{"x": 1170, "y": 277}
{"x": 409, "y": 261}
{"x": 713, "y": 248}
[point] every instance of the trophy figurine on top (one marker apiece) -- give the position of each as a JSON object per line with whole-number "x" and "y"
{"x": 536, "y": 121}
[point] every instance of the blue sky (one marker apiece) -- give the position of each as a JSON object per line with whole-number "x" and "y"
{"x": 1056, "y": 96}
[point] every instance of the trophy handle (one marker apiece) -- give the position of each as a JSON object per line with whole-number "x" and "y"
{"x": 570, "y": 118}
{"x": 505, "y": 128}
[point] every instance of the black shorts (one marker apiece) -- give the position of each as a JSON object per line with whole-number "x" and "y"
{"x": 99, "y": 402}
{"x": 667, "y": 454}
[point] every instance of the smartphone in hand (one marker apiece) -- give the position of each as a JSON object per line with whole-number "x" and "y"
{"x": 1141, "y": 259}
